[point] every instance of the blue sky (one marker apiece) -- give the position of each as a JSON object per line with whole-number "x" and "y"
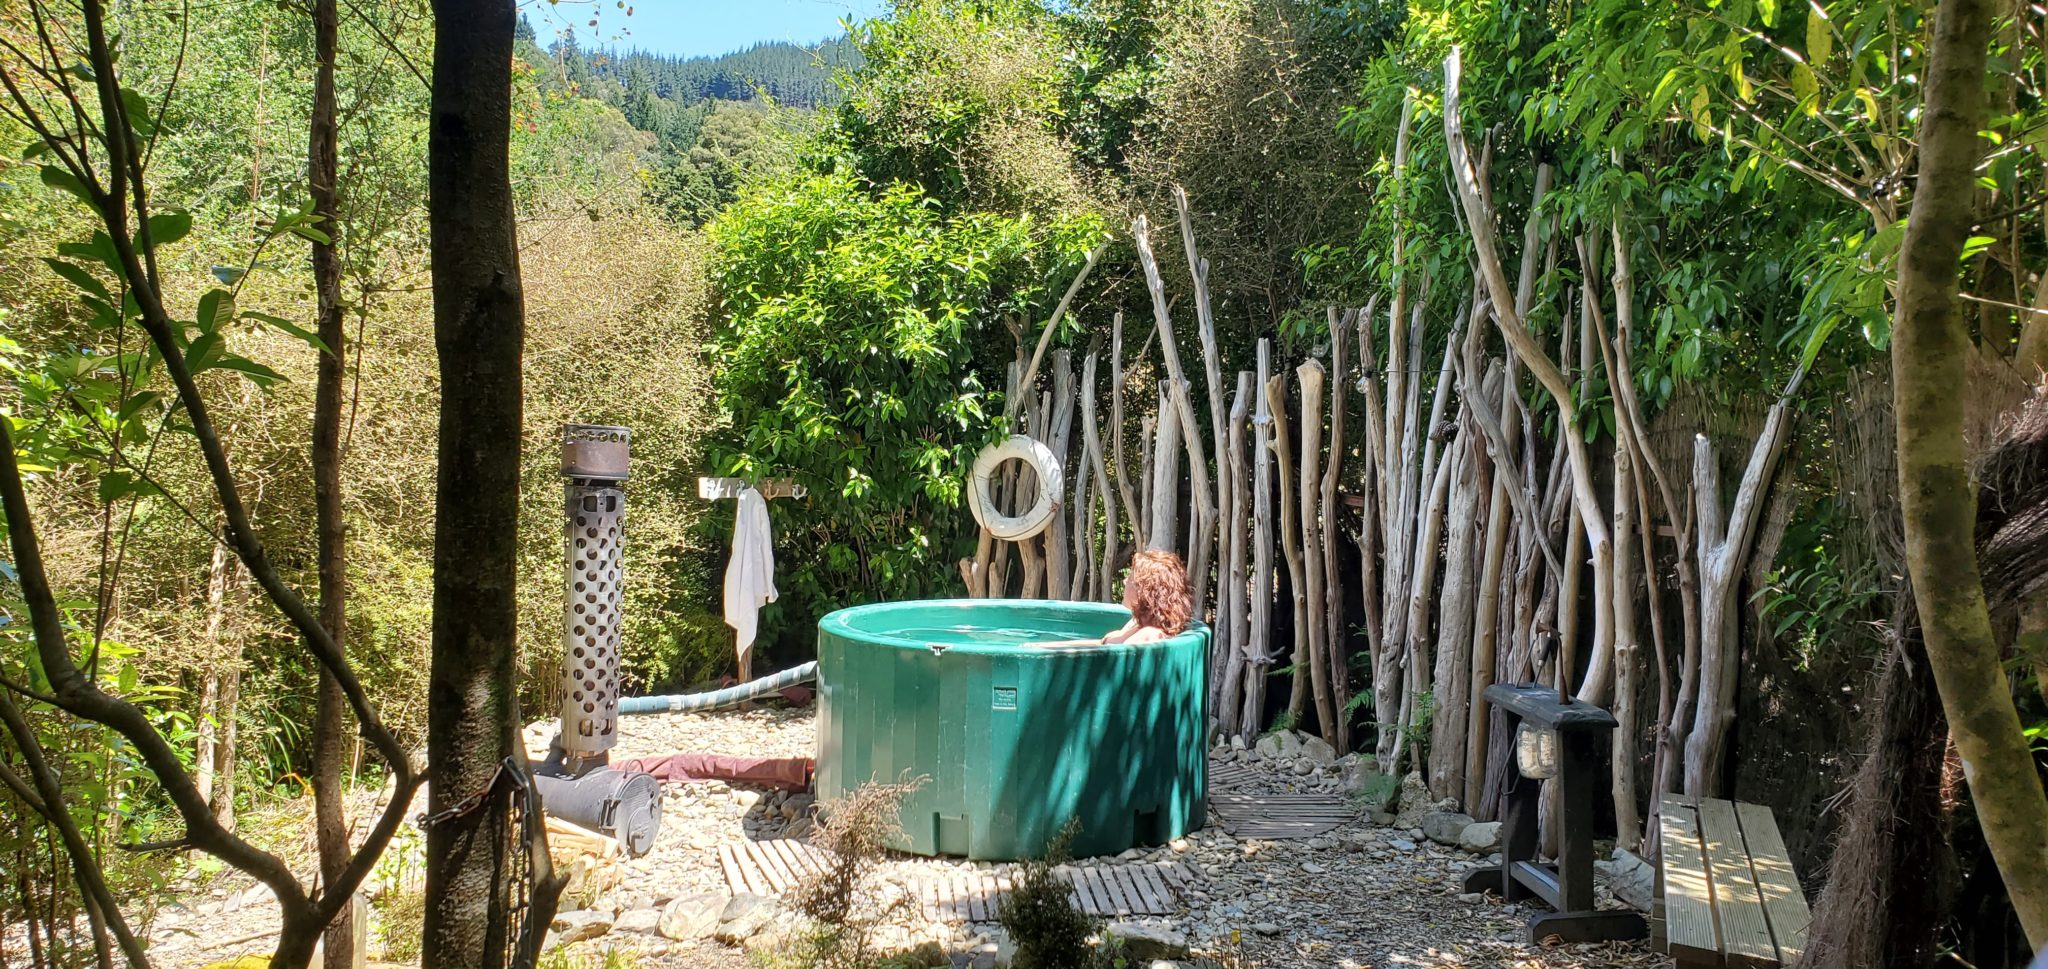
{"x": 696, "y": 27}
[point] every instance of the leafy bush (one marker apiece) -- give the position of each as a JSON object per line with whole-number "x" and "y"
{"x": 855, "y": 354}
{"x": 1050, "y": 932}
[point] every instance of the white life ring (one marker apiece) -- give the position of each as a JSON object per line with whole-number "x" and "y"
{"x": 1013, "y": 528}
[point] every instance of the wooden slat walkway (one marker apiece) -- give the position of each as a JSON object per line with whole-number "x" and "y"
{"x": 1108, "y": 891}
{"x": 1279, "y": 816}
{"x": 770, "y": 867}
{"x": 1111, "y": 890}
{"x": 1224, "y": 776}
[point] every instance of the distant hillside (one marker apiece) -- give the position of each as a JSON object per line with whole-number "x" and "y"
{"x": 789, "y": 74}
{"x": 792, "y": 76}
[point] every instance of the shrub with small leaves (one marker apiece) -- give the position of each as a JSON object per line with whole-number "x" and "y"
{"x": 1049, "y": 930}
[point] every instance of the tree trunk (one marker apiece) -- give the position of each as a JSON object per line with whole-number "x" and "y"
{"x": 479, "y": 328}
{"x": 330, "y": 718}
{"x": 1310, "y": 373}
{"x": 1929, "y": 341}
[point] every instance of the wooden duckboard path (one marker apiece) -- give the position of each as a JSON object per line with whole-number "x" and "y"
{"x": 777, "y": 866}
{"x": 770, "y": 867}
{"x": 1107, "y": 891}
{"x": 1228, "y": 775}
{"x": 1279, "y": 816}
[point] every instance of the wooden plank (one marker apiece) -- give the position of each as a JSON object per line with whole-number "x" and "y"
{"x": 1124, "y": 903}
{"x": 798, "y": 872}
{"x": 1084, "y": 899}
{"x": 1784, "y": 904}
{"x": 1738, "y": 905}
{"x": 750, "y": 869}
{"x": 1688, "y": 896}
{"x": 1147, "y": 877}
{"x": 1143, "y": 903}
{"x": 729, "y": 864}
{"x": 977, "y": 903}
{"x": 764, "y": 855}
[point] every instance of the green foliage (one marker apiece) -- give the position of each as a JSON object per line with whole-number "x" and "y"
{"x": 853, "y": 356}
{"x": 1048, "y": 929}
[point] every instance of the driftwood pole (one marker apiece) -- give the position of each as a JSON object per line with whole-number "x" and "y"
{"x": 1060, "y": 439}
{"x": 1335, "y": 653}
{"x": 1188, "y": 428}
{"x": 1310, "y": 374}
{"x": 1165, "y": 490}
{"x": 1260, "y": 636}
{"x": 1290, "y": 537}
{"x": 1198, "y": 271}
{"x": 1232, "y": 619}
{"x": 1124, "y": 491}
{"x": 1091, "y": 439}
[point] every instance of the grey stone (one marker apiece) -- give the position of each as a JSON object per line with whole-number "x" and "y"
{"x": 1402, "y": 844}
{"x": 692, "y": 916}
{"x": 744, "y": 917}
{"x": 798, "y": 828}
{"x": 647, "y": 920}
{"x": 1631, "y": 878}
{"x": 1413, "y": 801}
{"x": 1302, "y": 767}
{"x": 1265, "y": 928}
{"x": 577, "y": 927}
{"x": 1316, "y": 750}
{"x": 1445, "y": 827}
{"x": 1269, "y": 746}
{"x": 1149, "y": 940}
{"x": 1480, "y": 837}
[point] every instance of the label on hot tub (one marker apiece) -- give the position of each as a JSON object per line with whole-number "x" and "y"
{"x": 1005, "y": 698}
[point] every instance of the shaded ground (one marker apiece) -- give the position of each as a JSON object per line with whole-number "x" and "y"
{"x": 1358, "y": 896}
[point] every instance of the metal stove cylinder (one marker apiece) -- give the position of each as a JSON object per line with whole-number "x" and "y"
{"x": 594, "y": 465}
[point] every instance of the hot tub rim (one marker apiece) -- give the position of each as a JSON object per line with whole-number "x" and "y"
{"x": 837, "y": 623}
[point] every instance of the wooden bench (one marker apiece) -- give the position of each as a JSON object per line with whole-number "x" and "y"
{"x": 1727, "y": 894}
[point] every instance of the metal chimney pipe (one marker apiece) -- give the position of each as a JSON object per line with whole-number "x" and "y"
{"x": 594, "y": 468}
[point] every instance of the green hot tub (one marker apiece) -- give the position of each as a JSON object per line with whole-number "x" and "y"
{"x": 1015, "y": 739}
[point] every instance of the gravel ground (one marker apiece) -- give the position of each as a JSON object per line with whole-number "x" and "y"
{"x": 1361, "y": 895}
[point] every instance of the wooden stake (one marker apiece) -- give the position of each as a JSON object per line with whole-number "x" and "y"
{"x": 1260, "y": 595}
{"x": 1310, "y": 373}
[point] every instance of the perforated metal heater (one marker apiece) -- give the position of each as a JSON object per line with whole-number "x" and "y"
{"x": 594, "y": 466}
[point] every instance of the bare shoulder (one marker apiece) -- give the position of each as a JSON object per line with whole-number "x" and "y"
{"x": 1149, "y": 634}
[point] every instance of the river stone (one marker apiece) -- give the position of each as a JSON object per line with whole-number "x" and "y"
{"x": 1631, "y": 879}
{"x": 647, "y": 920}
{"x": 1145, "y": 941}
{"x": 744, "y": 917}
{"x": 1480, "y": 837}
{"x": 692, "y": 916}
{"x": 1445, "y": 828}
{"x": 1413, "y": 801}
{"x": 577, "y": 927}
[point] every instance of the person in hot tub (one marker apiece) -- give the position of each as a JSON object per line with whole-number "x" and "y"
{"x": 1156, "y": 593}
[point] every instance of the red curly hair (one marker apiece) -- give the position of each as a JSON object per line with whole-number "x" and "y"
{"x": 1157, "y": 591}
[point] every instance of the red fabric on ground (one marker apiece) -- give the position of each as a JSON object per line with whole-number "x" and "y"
{"x": 787, "y": 773}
